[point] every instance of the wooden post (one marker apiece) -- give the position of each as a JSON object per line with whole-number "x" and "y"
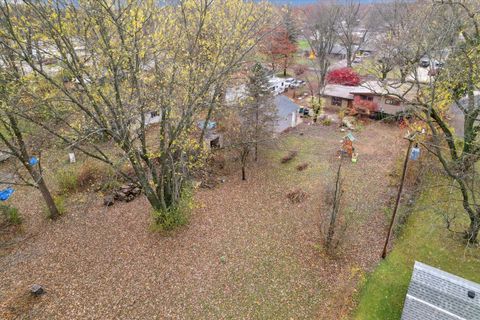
{"x": 397, "y": 201}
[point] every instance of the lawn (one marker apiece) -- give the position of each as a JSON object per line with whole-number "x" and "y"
{"x": 425, "y": 239}
{"x": 303, "y": 45}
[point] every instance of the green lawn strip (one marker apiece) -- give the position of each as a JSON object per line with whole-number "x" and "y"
{"x": 425, "y": 239}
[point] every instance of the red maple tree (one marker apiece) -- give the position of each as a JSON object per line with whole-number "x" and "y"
{"x": 344, "y": 76}
{"x": 364, "y": 106}
{"x": 279, "y": 49}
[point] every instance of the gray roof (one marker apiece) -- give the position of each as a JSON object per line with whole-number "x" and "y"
{"x": 338, "y": 90}
{"x": 434, "y": 294}
{"x": 285, "y": 107}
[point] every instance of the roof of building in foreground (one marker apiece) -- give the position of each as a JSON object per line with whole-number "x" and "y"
{"x": 434, "y": 294}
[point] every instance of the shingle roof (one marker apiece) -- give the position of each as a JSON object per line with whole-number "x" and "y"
{"x": 338, "y": 90}
{"x": 434, "y": 294}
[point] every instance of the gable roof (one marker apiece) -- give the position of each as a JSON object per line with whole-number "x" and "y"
{"x": 434, "y": 294}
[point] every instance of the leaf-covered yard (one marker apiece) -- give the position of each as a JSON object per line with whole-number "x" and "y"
{"x": 247, "y": 253}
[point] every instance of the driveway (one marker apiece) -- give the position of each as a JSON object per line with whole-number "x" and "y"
{"x": 457, "y": 117}
{"x": 285, "y": 107}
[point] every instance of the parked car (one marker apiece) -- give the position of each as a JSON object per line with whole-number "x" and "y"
{"x": 425, "y": 62}
{"x": 304, "y": 111}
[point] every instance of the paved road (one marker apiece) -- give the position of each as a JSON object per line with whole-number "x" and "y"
{"x": 285, "y": 107}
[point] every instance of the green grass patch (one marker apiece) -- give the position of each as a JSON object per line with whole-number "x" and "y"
{"x": 424, "y": 238}
{"x": 10, "y": 214}
{"x": 303, "y": 45}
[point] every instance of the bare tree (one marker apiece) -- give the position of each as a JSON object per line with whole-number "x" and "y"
{"x": 352, "y": 34}
{"x": 452, "y": 86}
{"x": 321, "y": 36}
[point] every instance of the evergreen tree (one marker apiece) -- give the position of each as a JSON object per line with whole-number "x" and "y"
{"x": 290, "y": 25}
{"x": 259, "y": 110}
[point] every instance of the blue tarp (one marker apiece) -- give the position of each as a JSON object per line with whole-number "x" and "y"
{"x": 33, "y": 161}
{"x": 6, "y": 193}
{"x": 415, "y": 153}
{"x": 210, "y": 125}
{"x": 350, "y": 137}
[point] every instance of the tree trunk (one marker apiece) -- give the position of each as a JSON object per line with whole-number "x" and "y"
{"x": 244, "y": 177}
{"x": 349, "y": 59}
{"x": 47, "y": 196}
{"x": 335, "y": 208}
{"x": 472, "y": 233}
{"x": 285, "y": 71}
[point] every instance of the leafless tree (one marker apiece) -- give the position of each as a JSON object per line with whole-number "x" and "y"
{"x": 351, "y": 29}
{"x": 322, "y": 36}
{"x": 450, "y": 87}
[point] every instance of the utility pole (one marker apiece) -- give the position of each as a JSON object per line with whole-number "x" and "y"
{"x": 400, "y": 188}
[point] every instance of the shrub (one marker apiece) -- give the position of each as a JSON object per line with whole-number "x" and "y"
{"x": 10, "y": 214}
{"x": 177, "y": 216}
{"x": 364, "y": 105}
{"x": 82, "y": 177}
{"x": 289, "y": 156}
{"x": 60, "y": 203}
{"x": 327, "y": 122}
{"x": 66, "y": 180}
{"x": 93, "y": 172}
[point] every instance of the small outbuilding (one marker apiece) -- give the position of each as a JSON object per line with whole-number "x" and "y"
{"x": 434, "y": 294}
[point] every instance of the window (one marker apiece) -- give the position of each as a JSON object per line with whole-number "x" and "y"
{"x": 366, "y": 98}
{"x": 392, "y": 102}
{"x": 336, "y": 101}
{"x": 153, "y": 114}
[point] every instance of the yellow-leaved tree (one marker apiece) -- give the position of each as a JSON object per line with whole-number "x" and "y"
{"x": 119, "y": 64}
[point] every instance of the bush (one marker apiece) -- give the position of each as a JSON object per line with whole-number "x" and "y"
{"x": 84, "y": 176}
{"x": 60, "y": 204}
{"x": 66, "y": 180}
{"x": 327, "y": 122}
{"x": 93, "y": 172}
{"x": 177, "y": 216}
{"x": 10, "y": 214}
{"x": 289, "y": 156}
